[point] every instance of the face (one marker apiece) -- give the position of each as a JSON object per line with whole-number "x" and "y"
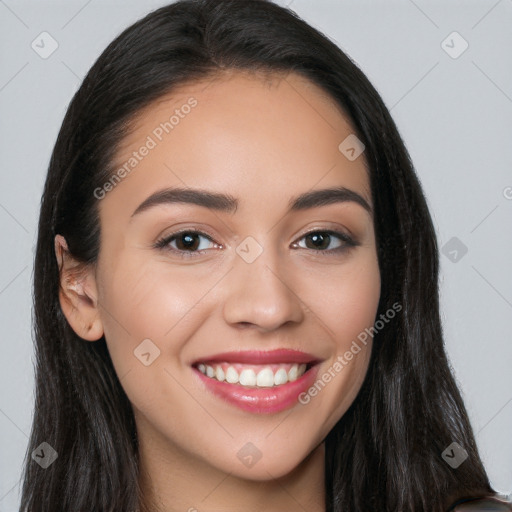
{"x": 232, "y": 315}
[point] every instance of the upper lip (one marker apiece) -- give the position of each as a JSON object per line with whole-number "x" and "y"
{"x": 261, "y": 357}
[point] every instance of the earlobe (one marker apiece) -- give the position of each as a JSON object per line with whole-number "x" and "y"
{"x": 78, "y": 293}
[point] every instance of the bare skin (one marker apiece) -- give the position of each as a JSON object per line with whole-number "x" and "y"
{"x": 262, "y": 142}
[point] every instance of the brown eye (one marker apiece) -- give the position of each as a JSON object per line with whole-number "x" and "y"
{"x": 327, "y": 241}
{"x": 318, "y": 240}
{"x": 185, "y": 243}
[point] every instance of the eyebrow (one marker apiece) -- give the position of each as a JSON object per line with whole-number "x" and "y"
{"x": 226, "y": 203}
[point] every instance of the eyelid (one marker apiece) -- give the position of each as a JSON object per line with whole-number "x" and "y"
{"x": 346, "y": 237}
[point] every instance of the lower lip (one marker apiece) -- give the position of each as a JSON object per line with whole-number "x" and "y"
{"x": 261, "y": 400}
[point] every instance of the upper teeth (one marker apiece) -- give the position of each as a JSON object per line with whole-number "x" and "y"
{"x": 266, "y": 377}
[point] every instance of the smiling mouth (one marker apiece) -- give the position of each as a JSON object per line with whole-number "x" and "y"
{"x": 258, "y": 381}
{"x": 253, "y": 375}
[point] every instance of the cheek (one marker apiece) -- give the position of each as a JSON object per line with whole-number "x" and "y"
{"x": 144, "y": 298}
{"x": 138, "y": 304}
{"x": 345, "y": 303}
{"x": 148, "y": 312}
{"x": 345, "y": 300}
{"x": 150, "y": 299}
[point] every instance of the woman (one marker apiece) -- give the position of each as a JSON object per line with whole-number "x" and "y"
{"x": 293, "y": 357}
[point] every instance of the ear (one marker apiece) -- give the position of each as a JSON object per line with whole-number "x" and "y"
{"x": 78, "y": 293}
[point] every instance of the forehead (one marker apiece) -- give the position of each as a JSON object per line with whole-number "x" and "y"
{"x": 259, "y": 136}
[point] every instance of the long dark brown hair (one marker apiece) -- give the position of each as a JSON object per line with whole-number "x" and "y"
{"x": 384, "y": 454}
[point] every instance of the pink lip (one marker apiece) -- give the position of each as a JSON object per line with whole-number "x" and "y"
{"x": 262, "y": 400}
{"x": 261, "y": 357}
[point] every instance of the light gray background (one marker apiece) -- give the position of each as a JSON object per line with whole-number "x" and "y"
{"x": 455, "y": 116}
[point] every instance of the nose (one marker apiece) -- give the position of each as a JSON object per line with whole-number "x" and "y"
{"x": 261, "y": 294}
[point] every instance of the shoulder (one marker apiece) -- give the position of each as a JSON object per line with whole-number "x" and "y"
{"x": 494, "y": 503}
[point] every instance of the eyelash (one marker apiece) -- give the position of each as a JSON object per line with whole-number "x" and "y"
{"x": 163, "y": 243}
